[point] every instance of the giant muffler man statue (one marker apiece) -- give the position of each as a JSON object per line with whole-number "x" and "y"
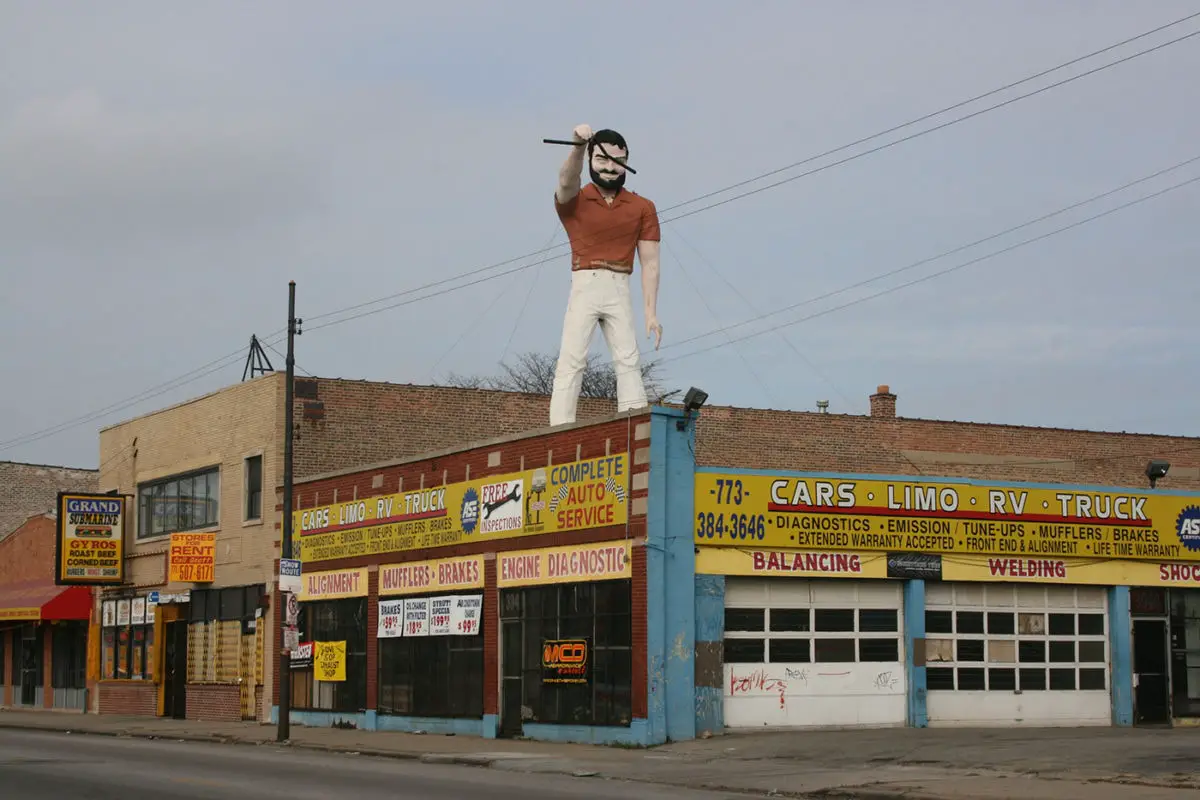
{"x": 606, "y": 224}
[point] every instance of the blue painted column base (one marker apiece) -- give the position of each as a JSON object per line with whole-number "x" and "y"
{"x": 1120, "y": 629}
{"x": 917, "y": 715}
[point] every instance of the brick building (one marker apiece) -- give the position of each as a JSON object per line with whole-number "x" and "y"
{"x": 422, "y": 434}
{"x": 29, "y": 489}
{"x": 43, "y": 626}
{"x": 498, "y": 588}
{"x": 194, "y": 648}
{"x": 880, "y": 570}
{"x": 816, "y": 570}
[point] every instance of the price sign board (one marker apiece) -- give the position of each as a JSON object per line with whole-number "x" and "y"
{"x": 391, "y": 619}
{"x": 465, "y": 614}
{"x": 416, "y": 616}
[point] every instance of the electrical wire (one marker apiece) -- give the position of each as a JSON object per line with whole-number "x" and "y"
{"x": 615, "y": 231}
{"x": 203, "y": 371}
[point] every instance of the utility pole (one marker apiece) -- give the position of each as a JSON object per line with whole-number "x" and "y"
{"x": 289, "y": 395}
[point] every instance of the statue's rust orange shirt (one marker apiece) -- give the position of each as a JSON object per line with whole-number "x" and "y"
{"x": 604, "y": 235}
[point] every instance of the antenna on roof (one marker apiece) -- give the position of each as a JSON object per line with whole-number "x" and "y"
{"x": 257, "y": 362}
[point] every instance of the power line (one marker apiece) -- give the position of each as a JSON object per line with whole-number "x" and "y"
{"x": 939, "y": 256}
{"x": 201, "y": 372}
{"x": 793, "y": 165}
{"x": 939, "y": 273}
{"x": 153, "y": 391}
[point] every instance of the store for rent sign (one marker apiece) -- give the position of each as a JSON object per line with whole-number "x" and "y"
{"x": 943, "y": 516}
{"x": 565, "y": 497}
{"x": 90, "y": 539}
{"x": 193, "y": 557}
{"x": 569, "y": 564}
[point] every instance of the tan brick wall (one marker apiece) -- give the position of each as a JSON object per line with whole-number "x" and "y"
{"x": 220, "y": 429}
{"x": 28, "y": 489}
{"x": 810, "y": 441}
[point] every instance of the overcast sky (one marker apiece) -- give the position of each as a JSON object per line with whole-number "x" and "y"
{"x": 166, "y": 168}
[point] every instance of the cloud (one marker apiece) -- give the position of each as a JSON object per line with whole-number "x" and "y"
{"x": 168, "y": 170}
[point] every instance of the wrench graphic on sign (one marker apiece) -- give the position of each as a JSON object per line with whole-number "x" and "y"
{"x": 512, "y": 496}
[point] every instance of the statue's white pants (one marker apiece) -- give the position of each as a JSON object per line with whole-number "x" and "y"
{"x": 598, "y": 296}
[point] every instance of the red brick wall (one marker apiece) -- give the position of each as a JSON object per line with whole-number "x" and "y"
{"x": 491, "y": 639}
{"x": 28, "y": 489}
{"x": 640, "y": 699}
{"x": 562, "y": 447}
{"x": 786, "y": 440}
{"x": 372, "y": 638}
{"x": 131, "y": 699}
{"x": 214, "y": 701}
{"x": 28, "y": 554}
{"x": 342, "y": 424}
{"x": 556, "y": 448}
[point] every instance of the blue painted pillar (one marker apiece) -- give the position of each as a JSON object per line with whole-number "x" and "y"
{"x": 1120, "y": 628}
{"x": 671, "y": 569}
{"x": 914, "y": 629}
{"x": 710, "y": 666}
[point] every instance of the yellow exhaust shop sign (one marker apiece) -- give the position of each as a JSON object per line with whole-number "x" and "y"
{"x": 564, "y": 497}
{"x": 944, "y": 516}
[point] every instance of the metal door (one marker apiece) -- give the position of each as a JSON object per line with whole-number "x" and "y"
{"x": 1152, "y": 687}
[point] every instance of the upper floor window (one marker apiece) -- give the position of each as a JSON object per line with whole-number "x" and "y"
{"x": 179, "y": 503}
{"x": 254, "y": 488}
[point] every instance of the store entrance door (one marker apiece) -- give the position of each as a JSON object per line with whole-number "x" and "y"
{"x": 175, "y": 659}
{"x": 512, "y": 668}
{"x": 1152, "y": 685}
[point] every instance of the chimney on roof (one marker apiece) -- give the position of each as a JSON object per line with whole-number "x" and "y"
{"x": 883, "y": 402}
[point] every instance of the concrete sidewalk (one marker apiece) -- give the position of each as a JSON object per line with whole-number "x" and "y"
{"x": 940, "y": 764}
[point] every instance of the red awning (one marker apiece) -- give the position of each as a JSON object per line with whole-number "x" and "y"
{"x": 44, "y": 600}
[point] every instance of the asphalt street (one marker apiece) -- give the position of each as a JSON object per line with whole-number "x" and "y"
{"x": 54, "y": 766}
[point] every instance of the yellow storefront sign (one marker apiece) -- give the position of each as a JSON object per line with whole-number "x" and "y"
{"x": 793, "y": 563}
{"x": 413, "y": 577}
{"x": 998, "y": 569}
{"x": 20, "y": 614}
{"x": 564, "y": 497}
{"x": 333, "y": 584}
{"x": 944, "y": 516}
{"x": 579, "y": 563}
{"x": 329, "y": 661}
{"x": 90, "y": 539}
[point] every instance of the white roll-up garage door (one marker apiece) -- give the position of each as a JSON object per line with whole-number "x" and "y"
{"x": 1004, "y": 654}
{"x": 813, "y": 653}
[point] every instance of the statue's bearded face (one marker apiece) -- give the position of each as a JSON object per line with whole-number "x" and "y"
{"x": 607, "y": 170}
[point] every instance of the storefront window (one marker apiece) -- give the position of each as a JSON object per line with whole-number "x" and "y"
{"x": 599, "y": 614}
{"x": 432, "y": 675}
{"x": 69, "y": 663}
{"x": 334, "y": 621}
{"x": 124, "y": 652}
{"x": 1185, "y": 652}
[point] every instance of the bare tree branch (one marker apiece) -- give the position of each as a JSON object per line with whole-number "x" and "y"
{"x": 533, "y": 373}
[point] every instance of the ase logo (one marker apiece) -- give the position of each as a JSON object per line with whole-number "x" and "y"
{"x": 1188, "y": 527}
{"x": 470, "y": 510}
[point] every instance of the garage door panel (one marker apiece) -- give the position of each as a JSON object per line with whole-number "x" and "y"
{"x": 1031, "y": 655}
{"x": 804, "y": 653}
